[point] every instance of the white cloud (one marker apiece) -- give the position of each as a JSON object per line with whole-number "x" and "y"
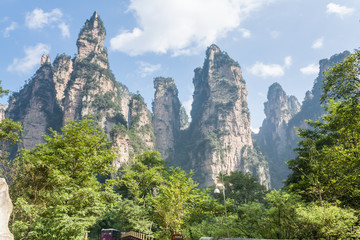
{"x": 339, "y": 10}
{"x": 274, "y": 34}
{"x": 318, "y": 43}
{"x": 145, "y": 69}
{"x": 32, "y": 58}
{"x": 38, "y": 19}
{"x": 187, "y": 105}
{"x": 65, "y": 32}
{"x": 10, "y": 28}
{"x": 245, "y": 32}
{"x": 288, "y": 61}
{"x": 310, "y": 69}
{"x": 255, "y": 130}
{"x": 270, "y": 70}
{"x": 181, "y": 26}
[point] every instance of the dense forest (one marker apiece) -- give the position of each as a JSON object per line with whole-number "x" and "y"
{"x": 67, "y": 188}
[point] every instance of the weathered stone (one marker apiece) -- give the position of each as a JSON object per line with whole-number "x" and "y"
{"x": 219, "y": 137}
{"x": 5, "y": 211}
{"x": 278, "y": 136}
{"x": 166, "y": 121}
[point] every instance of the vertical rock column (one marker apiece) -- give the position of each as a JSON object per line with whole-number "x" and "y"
{"x": 5, "y": 211}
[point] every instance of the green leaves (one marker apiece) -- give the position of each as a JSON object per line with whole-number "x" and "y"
{"x": 56, "y": 189}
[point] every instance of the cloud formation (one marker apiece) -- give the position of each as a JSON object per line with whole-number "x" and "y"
{"x": 339, "y": 10}
{"x": 310, "y": 69}
{"x": 10, "y": 28}
{"x": 38, "y": 19}
{"x": 318, "y": 43}
{"x": 245, "y": 32}
{"x": 32, "y": 58}
{"x": 145, "y": 69}
{"x": 270, "y": 70}
{"x": 181, "y": 26}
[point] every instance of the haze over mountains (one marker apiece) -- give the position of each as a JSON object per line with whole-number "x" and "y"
{"x": 217, "y": 140}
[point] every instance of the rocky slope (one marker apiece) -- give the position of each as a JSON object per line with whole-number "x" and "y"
{"x": 277, "y": 137}
{"x": 83, "y": 87}
{"x": 218, "y": 139}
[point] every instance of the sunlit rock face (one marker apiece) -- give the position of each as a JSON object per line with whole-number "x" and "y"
{"x": 278, "y": 137}
{"x": 6, "y": 208}
{"x": 83, "y": 87}
{"x": 166, "y": 121}
{"x": 218, "y": 139}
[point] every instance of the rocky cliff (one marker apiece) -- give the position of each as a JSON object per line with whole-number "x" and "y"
{"x": 35, "y": 106}
{"x": 272, "y": 138}
{"x": 277, "y": 137}
{"x": 166, "y": 121}
{"x": 83, "y": 87}
{"x": 218, "y": 139}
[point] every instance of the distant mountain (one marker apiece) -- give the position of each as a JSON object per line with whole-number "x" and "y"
{"x": 277, "y": 136}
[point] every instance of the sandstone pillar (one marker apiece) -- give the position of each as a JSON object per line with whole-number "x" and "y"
{"x": 5, "y": 211}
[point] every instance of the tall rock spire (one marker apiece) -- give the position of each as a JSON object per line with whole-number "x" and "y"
{"x": 166, "y": 121}
{"x": 220, "y": 134}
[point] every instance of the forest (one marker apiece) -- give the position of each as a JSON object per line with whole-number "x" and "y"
{"x": 67, "y": 188}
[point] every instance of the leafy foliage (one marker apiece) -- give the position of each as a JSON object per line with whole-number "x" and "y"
{"x": 327, "y": 166}
{"x": 56, "y": 191}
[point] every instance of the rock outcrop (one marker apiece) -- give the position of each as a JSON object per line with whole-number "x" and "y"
{"x": 272, "y": 138}
{"x": 35, "y": 106}
{"x": 6, "y": 208}
{"x": 83, "y": 87}
{"x": 166, "y": 121}
{"x": 218, "y": 139}
{"x": 278, "y": 137}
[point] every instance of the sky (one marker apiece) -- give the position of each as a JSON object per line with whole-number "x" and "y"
{"x": 272, "y": 40}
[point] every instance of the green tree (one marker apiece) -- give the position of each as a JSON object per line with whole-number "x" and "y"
{"x": 172, "y": 204}
{"x": 56, "y": 192}
{"x": 142, "y": 178}
{"x": 328, "y": 167}
{"x": 243, "y": 188}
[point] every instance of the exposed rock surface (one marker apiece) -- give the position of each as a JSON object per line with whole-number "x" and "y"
{"x": 62, "y": 70}
{"x": 166, "y": 121}
{"x": 83, "y": 87}
{"x": 277, "y": 137}
{"x": 272, "y": 138}
{"x": 6, "y": 208}
{"x": 35, "y": 106}
{"x": 219, "y": 137}
{"x": 2, "y": 111}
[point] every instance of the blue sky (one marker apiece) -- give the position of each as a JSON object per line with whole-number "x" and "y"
{"x": 272, "y": 40}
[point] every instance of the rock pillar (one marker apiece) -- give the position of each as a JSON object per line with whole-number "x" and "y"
{"x": 5, "y": 211}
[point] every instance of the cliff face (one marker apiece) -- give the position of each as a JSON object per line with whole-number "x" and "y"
{"x": 277, "y": 137}
{"x": 83, "y": 87}
{"x": 166, "y": 121}
{"x": 35, "y": 106}
{"x": 272, "y": 138}
{"x": 219, "y": 135}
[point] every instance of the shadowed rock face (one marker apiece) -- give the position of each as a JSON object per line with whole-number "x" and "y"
{"x": 277, "y": 137}
{"x": 5, "y": 211}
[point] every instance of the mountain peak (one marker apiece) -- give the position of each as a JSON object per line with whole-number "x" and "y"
{"x": 91, "y": 39}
